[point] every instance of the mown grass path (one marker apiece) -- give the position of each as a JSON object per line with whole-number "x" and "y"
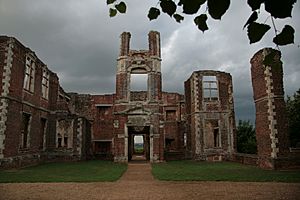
{"x": 138, "y": 183}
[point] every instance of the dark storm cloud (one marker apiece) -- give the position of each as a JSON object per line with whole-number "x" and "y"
{"x": 78, "y": 41}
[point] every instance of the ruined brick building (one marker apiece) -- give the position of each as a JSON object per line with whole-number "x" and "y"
{"x": 271, "y": 125}
{"x": 152, "y": 114}
{"x": 210, "y": 115}
{"x": 39, "y": 121}
{"x": 199, "y": 125}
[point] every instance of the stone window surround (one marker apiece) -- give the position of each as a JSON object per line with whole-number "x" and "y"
{"x": 45, "y": 83}
{"x": 27, "y": 145}
{"x": 30, "y": 68}
{"x": 219, "y": 140}
{"x": 210, "y": 84}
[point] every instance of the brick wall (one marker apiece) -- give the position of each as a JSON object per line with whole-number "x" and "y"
{"x": 271, "y": 123}
{"x": 16, "y": 102}
{"x": 103, "y": 118}
{"x": 202, "y": 113}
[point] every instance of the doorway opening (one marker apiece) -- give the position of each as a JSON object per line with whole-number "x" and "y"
{"x": 138, "y": 143}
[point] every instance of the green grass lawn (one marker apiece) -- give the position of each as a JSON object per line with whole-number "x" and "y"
{"x": 88, "y": 171}
{"x": 219, "y": 171}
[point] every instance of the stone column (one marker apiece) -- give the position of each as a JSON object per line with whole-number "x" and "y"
{"x": 154, "y": 43}
{"x": 126, "y": 143}
{"x": 271, "y": 123}
{"x": 122, "y": 83}
{"x": 125, "y": 43}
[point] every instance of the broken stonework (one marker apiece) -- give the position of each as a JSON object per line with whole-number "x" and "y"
{"x": 271, "y": 123}
{"x": 210, "y": 115}
{"x": 41, "y": 122}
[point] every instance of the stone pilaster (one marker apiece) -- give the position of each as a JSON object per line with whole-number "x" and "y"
{"x": 6, "y": 78}
{"x": 79, "y": 136}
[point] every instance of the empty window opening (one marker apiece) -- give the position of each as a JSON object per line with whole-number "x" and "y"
{"x": 139, "y": 82}
{"x": 59, "y": 140}
{"x": 43, "y": 133}
{"x": 170, "y": 115}
{"x": 29, "y": 74}
{"x": 25, "y": 130}
{"x": 64, "y": 136}
{"x": 138, "y": 144}
{"x": 138, "y": 42}
{"x": 66, "y": 141}
{"x": 169, "y": 143}
{"x": 45, "y": 84}
{"x": 210, "y": 88}
{"x": 212, "y": 134}
{"x": 216, "y": 137}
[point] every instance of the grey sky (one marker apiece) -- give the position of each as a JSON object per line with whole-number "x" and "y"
{"x": 78, "y": 41}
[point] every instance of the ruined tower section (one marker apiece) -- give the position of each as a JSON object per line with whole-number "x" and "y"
{"x": 139, "y": 62}
{"x": 210, "y": 115}
{"x": 271, "y": 122}
{"x": 137, "y": 112}
{"x": 155, "y": 62}
{"x": 122, "y": 76}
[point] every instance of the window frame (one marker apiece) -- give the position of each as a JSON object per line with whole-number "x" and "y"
{"x": 45, "y": 83}
{"x": 207, "y": 86}
{"x": 29, "y": 76}
{"x": 25, "y": 131}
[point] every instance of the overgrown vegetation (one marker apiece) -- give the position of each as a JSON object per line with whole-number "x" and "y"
{"x": 246, "y": 140}
{"x": 219, "y": 171}
{"x": 293, "y": 115}
{"x": 89, "y": 171}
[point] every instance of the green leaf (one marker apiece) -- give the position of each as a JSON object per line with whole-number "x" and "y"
{"x": 191, "y": 6}
{"x": 255, "y": 4}
{"x": 178, "y": 18}
{"x": 279, "y": 8}
{"x": 168, "y": 6}
{"x": 251, "y": 19}
{"x": 256, "y": 31}
{"x": 217, "y": 8}
{"x": 200, "y": 21}
{"x": 121, "y": 7}
{"x": 153, "y": 13}
{"x": 285, "y": 37}
{"x": 112, "y": 12}
{"x": 110, "y": 1}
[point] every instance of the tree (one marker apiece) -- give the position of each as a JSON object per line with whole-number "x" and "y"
{"x": 216, "y": 9}
{"x": 246, "y": 141}
{"x": 293, "y": 115}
